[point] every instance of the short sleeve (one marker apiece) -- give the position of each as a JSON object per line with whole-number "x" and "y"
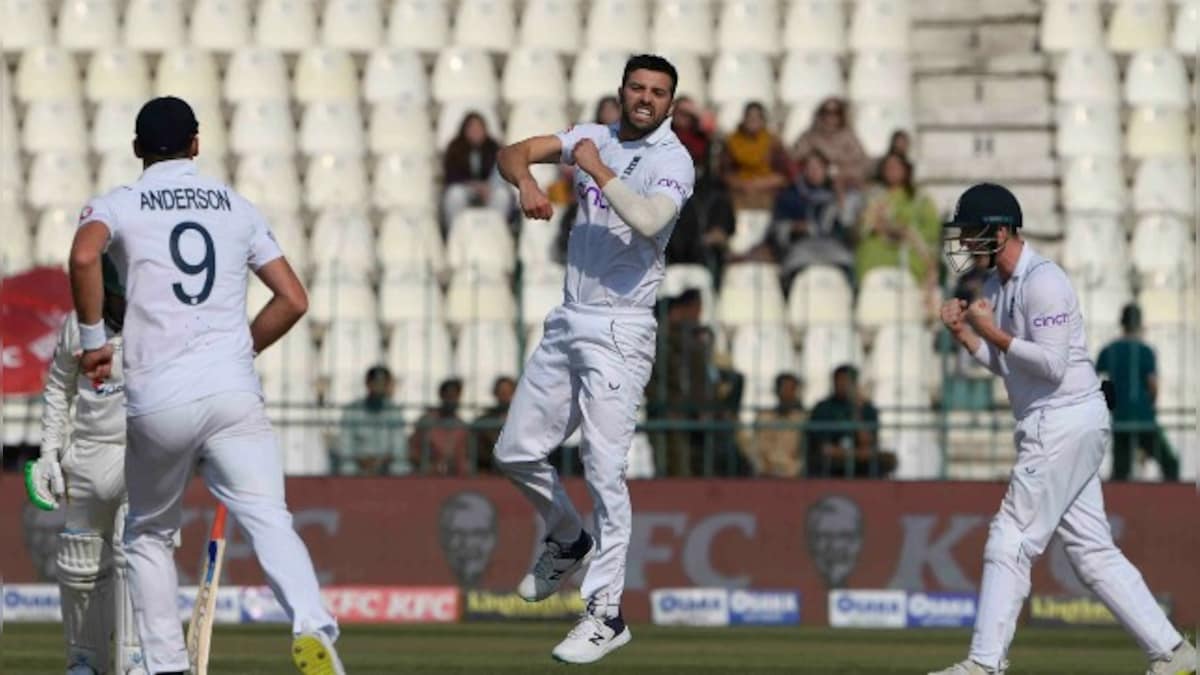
{"x": 99, "y": 209}
{"x": 1151, "y": 364}
{"x": 1103, "y": 364}
{"x": 263, "y": 247}
{"x": 674, "y": 177}
{"x": 598, "y": 133}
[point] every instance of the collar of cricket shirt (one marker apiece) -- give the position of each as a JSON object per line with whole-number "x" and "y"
{"x": 170, "y": 167}
{"x": 653, "y": 138}
{"x": 1024, "y": 260}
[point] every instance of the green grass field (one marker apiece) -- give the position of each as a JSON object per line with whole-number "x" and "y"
{"x": 525, "y": 648}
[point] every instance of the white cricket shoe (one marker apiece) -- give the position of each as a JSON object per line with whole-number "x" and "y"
{"x": 314, "y": 654}
{"x": 1182, "y": 662}
{"x": 556, "y": 563}
{"x": 592, "y": 638}
{"x": 969, "y": 667}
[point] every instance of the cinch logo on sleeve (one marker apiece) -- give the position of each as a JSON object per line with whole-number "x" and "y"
{"x": 1052, "y": 320}
{"x": 592, "y": 194}
{"x": 673, "y": 184}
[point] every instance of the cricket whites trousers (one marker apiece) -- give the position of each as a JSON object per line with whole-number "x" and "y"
{"x": 241, "y": 463}
{"x": 589, "y": 372}
{"x": 1055, "y": 487}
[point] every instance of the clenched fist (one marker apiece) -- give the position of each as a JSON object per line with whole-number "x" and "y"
{"x": 953, "y": 314}
{"x": 534, "y": 203}
{"x": 979, "y": 314}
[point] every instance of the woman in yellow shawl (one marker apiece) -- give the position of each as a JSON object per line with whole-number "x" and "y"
{"x": 754, "y": 164}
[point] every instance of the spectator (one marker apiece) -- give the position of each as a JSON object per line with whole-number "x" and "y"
{"x": 774, "y": 449}
{"x": 608, "y": 111}
{"x": 488, "y": 424}
{"x": 469, "y": 171}
{"x": 1130, "y": 364}
{"x": 754, "y": 166}
{"x": 680, "y": 388}
{"x": 899, "y": 144}
{"x": 701, "y": 236}
{"x": 439, "y": 443}
{"x": 685, "y": 122}
{"x": 372, "y": 431}
{"x": 807, "y": 226}
{"x": 831, "y": 133}
{"x": 900, "y": 226}
{"x": 843, "y": 433}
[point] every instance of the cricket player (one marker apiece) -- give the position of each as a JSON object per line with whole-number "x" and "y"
{"x": 592, "y": 365}
{"x": 183, "y": 245}
{"x": 1027, "y": 328}
{"x": 82, "y": 464}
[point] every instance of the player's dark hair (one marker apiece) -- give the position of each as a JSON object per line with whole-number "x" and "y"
{"x": 846, "y": 369}
{"x": 1131, "y": 318}
{"x": 785, "y": 377}
{"x": 378, "y": 373}
{"x": 446, "y": 385}
{"x": 909, "y": 188}
{"x": 651, "y": 62}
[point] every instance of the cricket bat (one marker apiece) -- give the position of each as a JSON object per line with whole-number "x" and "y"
{"x": 199, "y": 635}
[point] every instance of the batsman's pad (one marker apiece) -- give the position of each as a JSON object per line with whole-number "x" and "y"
{"x": 87, "y": 604}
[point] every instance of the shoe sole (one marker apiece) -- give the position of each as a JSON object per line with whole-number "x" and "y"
{"x": 311, "y": 656}
{"x": 567, "y": 573}
{"x": 619, "y": 641}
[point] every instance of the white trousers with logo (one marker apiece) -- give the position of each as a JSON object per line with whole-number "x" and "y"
{"x": 240, "y": 461}
{"x": 1055, "y": 487}
{"x": 589, "y": 372}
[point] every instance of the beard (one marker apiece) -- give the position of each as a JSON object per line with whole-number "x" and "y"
{"x": 645, "y": 127}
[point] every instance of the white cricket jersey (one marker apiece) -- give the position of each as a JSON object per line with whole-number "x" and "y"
{"x": 1047, "y": 365}
{"x": 183, "y": 245}
{"x": 99, "y": 406}
{"x": 609, "y": 264}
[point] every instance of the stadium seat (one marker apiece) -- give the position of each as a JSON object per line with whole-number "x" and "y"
{"x": 117, "y": 74}
{"x": 533, "y": 75}
{"x": 53, "y": 235}
{"x": 1093, "y": 246}
{"x": 484, "y": 352}
{"x": 220, "y": 25}
{"x": 353, "y": 25}
{"x": 681, "y": 277}
{"x": 402, "y": 299}
{"x": 84, "y": 25}
{"x": 799, "y": 118}
{"x": 880, "y": 77}
{"x": 876, "y": 121}
{"x": 551, "y": 24}
{"x": 117, "y": 168}
{"x": 692, "y": 81}
{"x": 683, "y": 25}
{"x": 750, "y": 230}
{"x": 423, "y": 25}
{"x": 336, "y": 300}
{"x": 596, "y": 73}
{"x": 256, "y": 74}
{"x": 16, "y": 246}
{"x": 410, "y": 247}
{"x": 1070, "y": 24}
{"x": 1086, "y": 76}
{"x": 46, "y": 73}
{"x": 888, "y": 295}
{"x": 749, "y": 25}
{"x": 263, "y": 127}
{"x": 902, "y": 353}
{"x": 462, "y": 74}
{"x": 1158, "y": 132}
{"x": 288, "y": 229}
{"x": 485, "y": 24}
{"x": 539, "y": 297}
{"x": 1163, "y": 249}
{"x": 1088, "y": 129}
{"x": 741, "y": 77}
{"x": 881, "y": 25}
{"x": 190, "y": 74}
{"x": 450, "y": 120}
{"x": 394, "y": 74}
{"x": 1175, "y": 351}
{"x": 325, "y": 75}
{"x": 59, "y": 178}
{"x": 333, "y": 128}
{"x": 12, "y": 179}
{"x": 347, "y": 350}
{"x": 26, "y": 24}
{"x": 269, "y": 181}
{"x": 1186, "y": 34}
{"x": 1094, "y": 184}
{"x": 536, "y": 248}
{"x": 1165, "y": 185}
{"x": 1167, "y": 306}
{"x": 286, "y": 368}
{"x": 810, "y": 76}
{"x": 619, "y": 25}
{"x": 334, "y": 181}
{"x": 55, "y": 126}
{"x": 403, "y": 181}
{"x": 815, "y": 26}
{"x": 761, "y": 353}
{"x": 212, "y": 165}
{"x": 154, "y": 25}
{"x": 1157, "y": 78}
{"x": 826, "y": 347}
{"x": 535, "y": 118}
{"x": 343, "y": 245}
{"x": 419, "y": 355}
{"x": 286, "y": 25}
{"x": 214, "y": 139}
{"x": 820, "y": 295}
{"x": 400, "y": 127}
{"x": 479, "y": 239}
{"x": 750, "y": 294}
{"x": 1138, "y": 24}
{"x": 477, "y": 296}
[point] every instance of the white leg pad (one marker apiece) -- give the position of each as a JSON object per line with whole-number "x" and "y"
{"x": 85, "y": 581}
